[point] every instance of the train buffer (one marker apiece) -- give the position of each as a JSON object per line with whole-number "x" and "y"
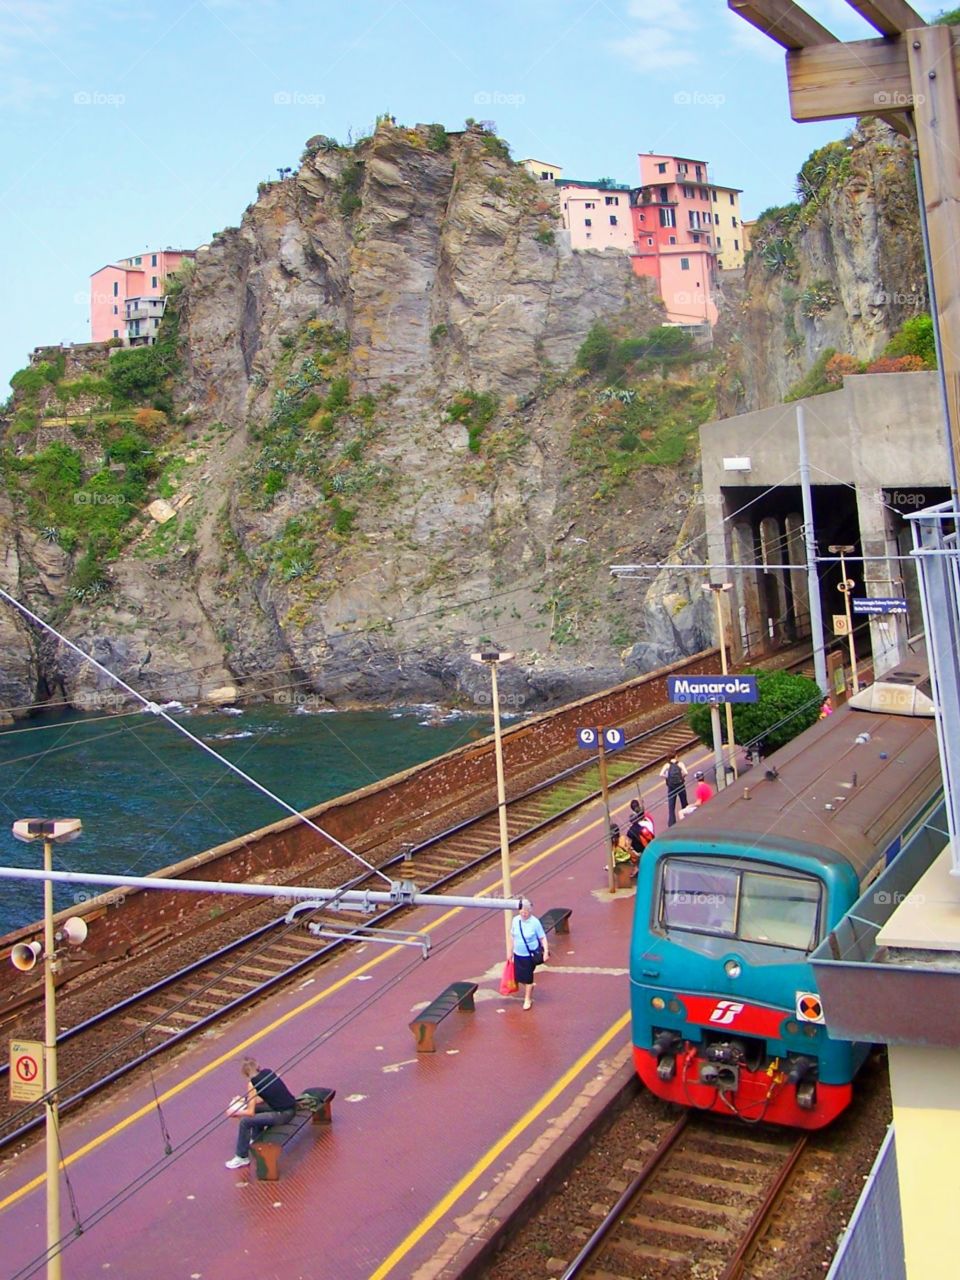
{"x": 557, "y": 919}
{"x": 312, "y": 1105}
{"x": 459, "y": 995}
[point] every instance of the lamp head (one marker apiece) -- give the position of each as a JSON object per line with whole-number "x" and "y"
{"x": 58, "y": 830}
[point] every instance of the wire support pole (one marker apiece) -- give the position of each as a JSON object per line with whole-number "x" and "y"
{"x": 50, "y": 1103}
{"x": 157, "y": 710}
{"x": 401, "y": 891}
{"x": 813, "y": 579}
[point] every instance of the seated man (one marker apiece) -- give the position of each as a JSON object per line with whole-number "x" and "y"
{"x": 268, "y": 1102}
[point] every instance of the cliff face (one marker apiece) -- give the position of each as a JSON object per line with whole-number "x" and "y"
{"x": 844, "y": 272}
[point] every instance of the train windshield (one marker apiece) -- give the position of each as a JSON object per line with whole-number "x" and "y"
{"x": 734, "y": 902}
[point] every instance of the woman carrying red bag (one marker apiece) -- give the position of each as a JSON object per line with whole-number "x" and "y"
{"x": 529, "y": 948}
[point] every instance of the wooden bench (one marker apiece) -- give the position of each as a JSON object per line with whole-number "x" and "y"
{"x": 313, "y": 1106}
{"x": 557, "y": 918}
{"x": 459, "y": 995}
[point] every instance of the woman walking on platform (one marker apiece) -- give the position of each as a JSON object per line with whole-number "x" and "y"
{"x": 529, "y": 948}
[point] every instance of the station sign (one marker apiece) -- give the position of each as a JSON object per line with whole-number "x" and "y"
{"x": 712, "y": 688}
{"x": 879, "y": 604}
{"x": 613, "y": 739}
{"x": 26, "y": 1070}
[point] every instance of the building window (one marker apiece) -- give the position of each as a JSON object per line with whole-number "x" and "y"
{"x": 719, "y": 242}
{"x": 688, "y": 192}
{"x": 649, "y": 239}
{"x": 153, "y": 260}
{"x": 694, "y": 217}
{"x": 736, "y": 245}
{"x": 734, "y": 221}
{"x": 681, "y": 169}
{"x": 156, "y": 324}
{"x": 613, "y": 219}
{"x": 588, "y": 222}
{"x": 695, "y": 238}
{"x": 684, "y": 264}
{"x": 661, "y": 168}
{"x": 153, "y": 282}
{"x": 116, "y": 289}
{"x": 663, "y": 195}
{"x": 714, "y": 196}
{"x": 116, "y": 309}
{"x": 137, "y": 261}
{"x": 588, "y": 204}
{"x": 732, "y": 201}
{"x": 116, "y": 333}
{"x": 673, "y": 239}
{"x": 668, "y": 217}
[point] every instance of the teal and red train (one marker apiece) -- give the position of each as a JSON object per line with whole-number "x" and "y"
{"x": 732, "y": 900}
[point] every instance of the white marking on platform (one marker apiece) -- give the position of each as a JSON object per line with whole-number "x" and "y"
{"x": 355, "y": 1097}
{"x": 395, "y": 1066}
{"x": 585, "y": 968}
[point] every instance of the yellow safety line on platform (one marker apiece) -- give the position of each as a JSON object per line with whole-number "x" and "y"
{"x": 125, "y": 1123}
{"x": 486, "y": 1160}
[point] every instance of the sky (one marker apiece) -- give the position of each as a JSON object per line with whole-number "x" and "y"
{"x": 131, "y": 126}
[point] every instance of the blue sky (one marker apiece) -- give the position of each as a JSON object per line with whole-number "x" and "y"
{"x": 130, "y": 126}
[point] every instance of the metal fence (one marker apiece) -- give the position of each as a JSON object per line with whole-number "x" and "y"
{"x": 872, "y": 1245}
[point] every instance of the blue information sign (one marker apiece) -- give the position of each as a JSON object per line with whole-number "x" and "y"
{"x": 614, "y": 739}
{"x": 587, "y": 738}
{"x": 712, "y": 688}
{"x": 879, "y": 604}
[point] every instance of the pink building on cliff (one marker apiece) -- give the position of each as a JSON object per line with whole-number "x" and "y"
{"x": 597, "y": 214}
{"x": 673, "y": 231}
{"x": 126, "y": 297}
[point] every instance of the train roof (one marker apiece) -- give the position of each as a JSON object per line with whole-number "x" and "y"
{"x": 840, "y": 792}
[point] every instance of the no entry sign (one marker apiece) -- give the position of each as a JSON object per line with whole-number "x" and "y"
{"x": 26, "y": 1070}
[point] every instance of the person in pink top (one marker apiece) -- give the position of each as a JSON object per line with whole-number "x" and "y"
{"x": 702, "y": 791}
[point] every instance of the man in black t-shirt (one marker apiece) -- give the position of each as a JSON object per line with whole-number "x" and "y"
{"x": 268, "y": 1102}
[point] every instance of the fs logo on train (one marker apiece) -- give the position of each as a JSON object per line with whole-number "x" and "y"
{"x": 809, "y": 1008}
{"x": 725, "y": 1012}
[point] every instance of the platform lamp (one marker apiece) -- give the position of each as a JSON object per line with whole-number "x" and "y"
{"x": 718, "y": 589}
{"x": 492, "y": 658}
{"x": 846, "y": 586}
{"x": 24, "y": 956}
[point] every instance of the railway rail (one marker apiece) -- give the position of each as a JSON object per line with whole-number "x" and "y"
{"x": 697, "y": 1205}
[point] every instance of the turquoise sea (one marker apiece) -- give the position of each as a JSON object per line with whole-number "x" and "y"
{"x": 148, "y": 796}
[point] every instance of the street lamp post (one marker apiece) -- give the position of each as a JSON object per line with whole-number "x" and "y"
{"x": 492, "y": 658}
{"x": 51, "y": 831}
{"x": 846, "y": 586}
{"x": 718, "y": 589}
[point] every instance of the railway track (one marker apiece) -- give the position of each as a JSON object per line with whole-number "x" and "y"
{"x": 697, "y": 1205}
{"x": 127, "y": 1034}
{"x": 162, "y": 1013}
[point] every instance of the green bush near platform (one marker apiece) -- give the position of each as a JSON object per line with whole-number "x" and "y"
{"x": 787, "y": 705}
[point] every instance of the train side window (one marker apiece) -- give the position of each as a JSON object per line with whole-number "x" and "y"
{"x": 783, "y": 911}
{"x": 698, "y": 897}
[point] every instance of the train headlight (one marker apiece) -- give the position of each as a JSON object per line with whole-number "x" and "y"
{"x": 658, "y": 1002}
{"x": 733, "y": 968}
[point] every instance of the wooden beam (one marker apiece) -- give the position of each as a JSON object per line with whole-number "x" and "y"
{"x": 862, "y": 77}
{"x": 783, "y": 21}
{"x": 934, "y": 78}
{"x": 889, "y": 17}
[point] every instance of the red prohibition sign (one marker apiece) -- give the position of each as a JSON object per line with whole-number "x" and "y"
{"x": 27, "y": 1068}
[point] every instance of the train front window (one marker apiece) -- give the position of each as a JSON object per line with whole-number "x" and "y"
{"x": 734, "y": 902}
{"x": 782, "y": 910}
{"x": 699, "y": 897}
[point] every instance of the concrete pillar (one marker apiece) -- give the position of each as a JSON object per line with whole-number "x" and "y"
{"x": 878, "y": 537}
{"x": 747, "y": 619}
{"x": 797, "y": 554}
{"x": 925, "y": 1086}
{"x": 772, "y": 552}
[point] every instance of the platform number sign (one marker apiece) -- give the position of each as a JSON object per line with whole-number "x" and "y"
{"x": 809, "y": 1007}
{"x": 26, "y": 1070}
{"x": 612, "y": 739}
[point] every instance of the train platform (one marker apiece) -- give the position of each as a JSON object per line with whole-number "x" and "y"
{"x": 427, "y": 1153}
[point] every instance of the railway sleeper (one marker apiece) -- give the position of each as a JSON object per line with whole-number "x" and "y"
{"x": 716, "y": 1235}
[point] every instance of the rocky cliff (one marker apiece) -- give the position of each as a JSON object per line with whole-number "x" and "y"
{"x": 842, "y": 268}
{"x": 373, "y": 459}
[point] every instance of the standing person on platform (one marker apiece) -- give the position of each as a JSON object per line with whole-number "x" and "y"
{"x": 268, "y": 1102}
{"x": 529, "y": 948}
{"x": 674, "y": 775}
{"x": 702, "y": 791}
{"x": 640, "y": 831}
